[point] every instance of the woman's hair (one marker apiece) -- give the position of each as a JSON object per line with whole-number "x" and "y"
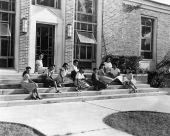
{"x": 25, "y": 72}
{"x": 40, "y": 53}
{"x": 94, "y": 69}
{"x": 107, "y": 59}
{"x": 51, "y": 65}
{"x": 101, "y": 65}
{"x": 75, "y": 61}
{"x": 65, "y": 64}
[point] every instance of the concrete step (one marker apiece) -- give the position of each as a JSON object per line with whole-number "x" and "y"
{"x": 16, "y": 86}
{"x": 77, "y": 98}
{"x": 74, "y": 94}
{"x": 4, "y": 91}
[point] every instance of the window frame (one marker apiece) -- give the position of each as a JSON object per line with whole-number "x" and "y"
{"x": 151, "y": 37}
{"x": 34, "y": 2}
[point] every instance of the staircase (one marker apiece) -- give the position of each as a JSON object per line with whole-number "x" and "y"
{"x": 12, "y": 94}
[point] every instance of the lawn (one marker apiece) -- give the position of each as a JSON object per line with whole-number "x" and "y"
{"x": 140, "y": 123}
{"x": 14, "y": 129}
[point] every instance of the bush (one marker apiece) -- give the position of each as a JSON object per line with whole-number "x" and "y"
{"x": 156, "y": 79}
{"x": 125, "y": 61}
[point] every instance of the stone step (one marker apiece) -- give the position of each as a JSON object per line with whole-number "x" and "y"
{"x": 15, "y": 86}
{"x": 74, "y": 94}
{"x": 77, "y": 98}
{"x": 8, "y": 91}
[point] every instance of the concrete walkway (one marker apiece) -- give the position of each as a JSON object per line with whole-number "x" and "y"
{"x": 80, "y": 118}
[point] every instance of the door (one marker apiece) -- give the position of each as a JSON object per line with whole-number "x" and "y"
{"x": 45, "y": 42}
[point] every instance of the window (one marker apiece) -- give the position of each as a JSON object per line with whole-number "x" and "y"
{"x": 85, "y": 32}
{"x": 7, "y": 33}
{"x": 50, "y": 3}
{"x": 147, "y": 38}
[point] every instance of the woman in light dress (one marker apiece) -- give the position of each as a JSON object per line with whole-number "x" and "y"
{"x": 61, "y": 78}
{"x": 29, "y": 85}
{"x": 39, "y": 64}
{"x": 74, "y": 69}
{"x": 129, "y": 81}
{"x": 47, "y": 78}
{"x": 108, "y": 65}
{"x": 103, "y": 76}
{"x": 80, "y": 80}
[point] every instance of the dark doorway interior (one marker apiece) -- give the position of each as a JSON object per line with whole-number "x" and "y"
{"x": 45, "y": 42}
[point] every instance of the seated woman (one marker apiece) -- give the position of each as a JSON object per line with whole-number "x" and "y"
{"x": 62, "y": 75}
{"x": 39, "y": 64}
{"x": 47, "y": 78}
{"x": 108, "y": 65}
{"x": 98, "y": 85}
{"x": 103, "y": 76}
{"x": 115, "y": 73}
{"x": 74, "y": 69}
{"x": 29, "y": 85}
{"x": 129, "y": 81}
{"x": 80, "y": 80}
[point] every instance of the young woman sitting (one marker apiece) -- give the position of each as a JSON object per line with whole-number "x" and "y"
{"x": 29, "y": 85}
{"x": 80, "y": 80}
{"x": 129, "y": 81}
{"x": 39, "y": 64}
{"x": 103, "y": 76}
{"x": 47, "y": 78}
{"x": 74, "y": 69}
{"x": 60, "y": 79}
{"x": 98, "y": 85}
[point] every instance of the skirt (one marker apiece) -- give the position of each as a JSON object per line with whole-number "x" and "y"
{"x": 29, "y": 86}
{"x": 81, "y": 84}
{"x": 106, "y": 79}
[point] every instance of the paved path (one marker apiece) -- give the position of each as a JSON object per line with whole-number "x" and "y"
{"x": 80, "y": 118}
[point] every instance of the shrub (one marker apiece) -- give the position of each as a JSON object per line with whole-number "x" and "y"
{"x": 156, "y": 79}
{"x": 125, "y": 61}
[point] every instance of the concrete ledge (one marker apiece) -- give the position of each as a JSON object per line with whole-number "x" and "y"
{"x": 75, "y": 99}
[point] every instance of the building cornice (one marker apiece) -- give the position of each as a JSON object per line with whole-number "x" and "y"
{"x": 150, "y": 5}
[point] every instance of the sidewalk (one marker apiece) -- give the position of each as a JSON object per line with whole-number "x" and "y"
{"x": 80, "y": 118}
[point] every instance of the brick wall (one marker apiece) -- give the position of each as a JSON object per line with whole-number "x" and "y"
{"x": 69, "y": 42}
{"x": 24, "y": 38}
{"x": 122, "y": 30}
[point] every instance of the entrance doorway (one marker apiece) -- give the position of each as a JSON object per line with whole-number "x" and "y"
{"x": 45, "y": 42}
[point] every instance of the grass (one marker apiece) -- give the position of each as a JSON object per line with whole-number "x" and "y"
{"x": 140, "y": 123}
{"x": 14, "y": 129}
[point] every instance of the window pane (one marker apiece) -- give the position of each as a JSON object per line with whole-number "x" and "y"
{"x": 89, "y": 52}
{"x": 46, "y": 2}
{"x": 83, "y": 26}
{"x": 85, "y": 6}
{"x": 10, "y": 63}
{"x": 4, "y": 30}
{"x": 146, "y": 55}
{"x": 83, "y": 52}
{"x": 4, "y": 5}
{"x": 58, "y": 4}
{"x": 82, "y": 17}
{"x": 146, "y": 31}
{"x": 4, "y": 16}
{"x": 90, "y": 27}
{"x": 3, "y": 63}
{"x": 4, "y": 48}
{"x": 146, "y": 44}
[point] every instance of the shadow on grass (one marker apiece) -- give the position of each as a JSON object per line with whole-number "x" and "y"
{"x": 17, "y": 129}
{"x": 140, "y": 123}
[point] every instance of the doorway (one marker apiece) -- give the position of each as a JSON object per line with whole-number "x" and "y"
{"x": 45, "y": 42}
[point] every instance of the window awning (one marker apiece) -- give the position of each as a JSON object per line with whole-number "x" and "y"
{"x": 86, "y": 37}
{"x": 4, "y": 29}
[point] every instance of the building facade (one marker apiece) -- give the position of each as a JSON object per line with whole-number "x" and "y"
{"x": 86, "y": 30}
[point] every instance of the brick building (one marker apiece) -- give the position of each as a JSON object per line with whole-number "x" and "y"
{"x": 82, "y": 29}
